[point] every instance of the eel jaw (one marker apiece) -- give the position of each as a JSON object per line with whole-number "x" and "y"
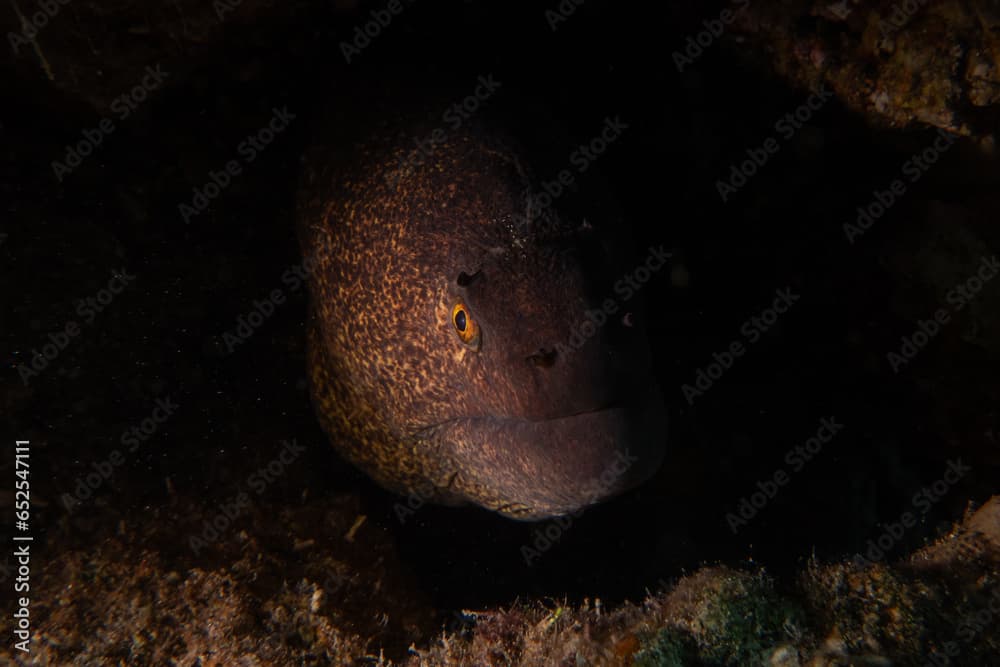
{"x": 535, "y": 469}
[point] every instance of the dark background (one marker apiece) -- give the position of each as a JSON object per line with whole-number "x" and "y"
{"x": 827, "y": 357}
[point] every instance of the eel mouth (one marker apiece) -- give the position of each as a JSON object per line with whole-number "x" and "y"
{"x": 534, "y": 469}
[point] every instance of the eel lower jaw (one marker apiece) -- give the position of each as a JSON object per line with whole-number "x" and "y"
{"x": 532, "y": 469}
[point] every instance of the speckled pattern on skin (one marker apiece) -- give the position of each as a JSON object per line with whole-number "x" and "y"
{"x": 398, "y": 391}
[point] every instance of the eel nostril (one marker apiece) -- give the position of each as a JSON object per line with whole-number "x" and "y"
{"x": 465, "y": 279}
{"x": 543, "y": 358}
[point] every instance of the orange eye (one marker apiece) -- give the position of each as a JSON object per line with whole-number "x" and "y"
{"x": 466, "y": 327}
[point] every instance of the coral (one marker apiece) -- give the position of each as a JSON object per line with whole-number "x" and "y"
{"x": 868, "y": 608}
{"x": 732, "y": 617}
{"x": 670, "y": 648}
{"x": 933, "y": 66}
{"x": 254, "y": 602}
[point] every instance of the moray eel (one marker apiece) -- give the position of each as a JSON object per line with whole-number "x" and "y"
{"x": 442, "y": 358}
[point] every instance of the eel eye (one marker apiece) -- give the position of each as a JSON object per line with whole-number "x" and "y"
{"x": 465, "y": 326}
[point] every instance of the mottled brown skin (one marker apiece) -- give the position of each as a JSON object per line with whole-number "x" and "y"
{"x": 510, "y": 424}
